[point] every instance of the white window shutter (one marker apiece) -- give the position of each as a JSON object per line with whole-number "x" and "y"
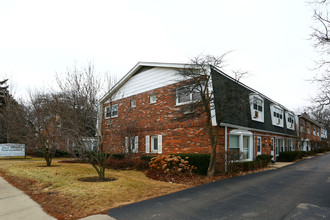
{"x": 160, "y": 141}
{"x": 136, "y": 144}
{"x": 126, "y": 144}
{"x": 147, "y": 144}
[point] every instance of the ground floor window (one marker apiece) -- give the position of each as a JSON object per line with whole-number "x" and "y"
{"x": 289, "y": 145}
{"x": 132, "y": 144}
{"x": 154, "y": 144}
{"x": 240, "y": 145}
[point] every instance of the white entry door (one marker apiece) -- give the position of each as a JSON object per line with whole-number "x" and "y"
{"x": 272, "y": 151}
{"x": 259, "y": 146}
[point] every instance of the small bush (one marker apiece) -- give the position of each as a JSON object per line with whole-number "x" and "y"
{"x": 118, "y": 156}
{"x": 169, "y": 167}
{"x": 321, "y": 150}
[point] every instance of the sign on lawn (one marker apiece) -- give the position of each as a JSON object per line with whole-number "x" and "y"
{"x": 12, "y": 150}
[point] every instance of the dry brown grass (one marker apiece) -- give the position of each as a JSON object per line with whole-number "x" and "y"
{"x": 71, "y": 198}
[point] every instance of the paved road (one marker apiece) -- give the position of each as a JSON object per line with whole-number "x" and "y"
{"x": 298, "y": 191}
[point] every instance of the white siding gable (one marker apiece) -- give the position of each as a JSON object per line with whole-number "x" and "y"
{"x": 148, "y": 80}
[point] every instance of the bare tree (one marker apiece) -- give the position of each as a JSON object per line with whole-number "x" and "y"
{"x": 321, "y": 41}
{"x": 44, "y": 130}
{"x": 80, "y": 92}
{"x": 197, "y": 75}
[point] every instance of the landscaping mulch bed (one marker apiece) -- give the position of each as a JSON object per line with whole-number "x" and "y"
{"x": 95, "y": 179}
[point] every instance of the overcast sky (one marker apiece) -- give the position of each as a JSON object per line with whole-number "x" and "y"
{"x": 270, "y": 39}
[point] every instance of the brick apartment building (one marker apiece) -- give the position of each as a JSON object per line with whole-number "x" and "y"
{"x": 145, "y": 112}
{"x": 309, "y": 132}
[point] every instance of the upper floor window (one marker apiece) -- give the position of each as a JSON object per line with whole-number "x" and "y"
{"x": 314, "y": 130}
{"x": 318, "y": 131}
{"x": 133, "y": 103}
{"x": 257, "y": 108}
{"x": 277, "y": 115}
{"x": 308, "y": 126}
{"x": 187, "y": 94}
{"x": 302, "y": 124}
{"x": 111, "y": 111}
{"x": 153, "y": 98}
{"x": 289, "y": 120}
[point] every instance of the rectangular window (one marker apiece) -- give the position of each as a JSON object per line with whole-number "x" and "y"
{"x": 114, "y": 111}
{"x": 257, "y": 104}
{"x": 278, "y": 113}
{"x": 153, "y": 99}
{"x": 187, "y": 94}
{"x": 308, "y": 126}
{"x": 107, "y": 112}
{"x": 133, "y": 103}
{"x": 131, "y": 144}
{"x": 234, "y": 147}
{"x": 288, "y": 144}
{"x": 154, "y": 144}
{"x": 155, "y": 148}
{"x": 314, "y": 130}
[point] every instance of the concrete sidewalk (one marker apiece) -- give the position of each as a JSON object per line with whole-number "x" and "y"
{"x": 15, "y": 204}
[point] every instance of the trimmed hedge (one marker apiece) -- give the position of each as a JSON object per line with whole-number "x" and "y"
{"x": 200, "y": 161}
{"x": 289, "y": 156}
{"x": 246, "y": 166}
{"x": 265, "y": 157}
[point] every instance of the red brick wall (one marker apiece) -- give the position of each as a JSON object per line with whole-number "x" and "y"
{"x": 181, "y": 133}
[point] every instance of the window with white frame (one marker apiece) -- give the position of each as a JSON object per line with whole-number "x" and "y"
{"x": 240, "y": 145}
{"x": 318, "y": 131}
{"x": 187, "y": 94}
{"x": 133, "y": 103}
{"x": 289, "y": 120}
{"x": 153, "y": 144}
{"x": 289, "y": 145}
{"x": 132, "y": 144}
{"x": 314, "y": 130}
{"x": 308, "y": 127}
{"x": 152, "y": 99}
{"x": 114, "y": 111}
{"x": 111, "y": 111}
{"x": 277, "y": 115}
{"x": 302, "y": 125}
{"x": 257, "y": 107}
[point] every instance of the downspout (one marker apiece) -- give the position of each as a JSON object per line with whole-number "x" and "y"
{"x": 226, "y": 147}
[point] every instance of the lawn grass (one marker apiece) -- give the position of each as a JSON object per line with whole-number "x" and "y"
{"x": 86, "y": 198}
